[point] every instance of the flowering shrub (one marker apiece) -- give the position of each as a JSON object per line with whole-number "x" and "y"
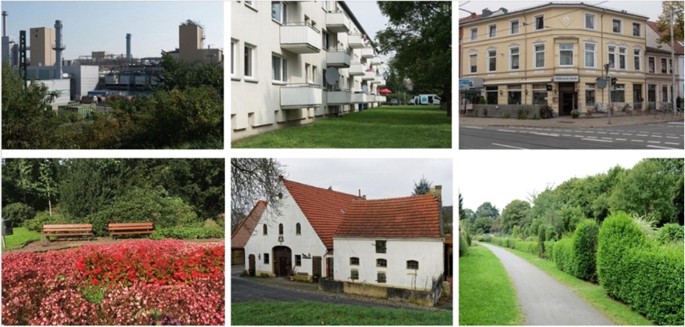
{"x": 136, "y": 282}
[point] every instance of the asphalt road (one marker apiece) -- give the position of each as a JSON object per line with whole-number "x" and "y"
{"x": 653, "y": 136}
{"x": 544, "y": 300}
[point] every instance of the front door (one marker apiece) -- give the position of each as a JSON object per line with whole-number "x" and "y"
{"x": 329, "y": 267}
{"x": 251, "y": 265}
{"x": 316, "y": 269}
{"x": 566, "y": 98}
{"x": 282, "y": 260}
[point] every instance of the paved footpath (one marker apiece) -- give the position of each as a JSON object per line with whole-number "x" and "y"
{"x": 544, "y": 300}
{"x": 566, "y": 121}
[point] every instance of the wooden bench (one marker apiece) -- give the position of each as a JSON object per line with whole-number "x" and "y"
{"x": 68, "y": 231}
{"x": 119, "y": 229}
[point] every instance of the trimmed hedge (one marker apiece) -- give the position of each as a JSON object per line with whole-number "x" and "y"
{"x": 669, "y": 233}
{"x": 563, "y": 255}
{"x": 525, "y": 246}
{"x": 584, "y": 250}
{"x": 639, "y": 272}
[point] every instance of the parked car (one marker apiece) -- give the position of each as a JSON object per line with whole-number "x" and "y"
{"x": 425, "y": 99}
{"x": 393, "y": 102}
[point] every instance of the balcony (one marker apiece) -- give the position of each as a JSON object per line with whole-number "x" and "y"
{"x": 338, "y": 59}
{"x": 359, "y": 98}
{"x": 337, "y": 22}
{"x": 338, "y": 97}
{"x": 356, "y": 69}
{"x": 381, "y": 98}
{"x": 381, "y": 81}
{"x": 367, "y": 53}
{"x": 374, "y": 61}
{"x": 369, "y": 76}
{"x": 301, "y": 96}
{"x": 300, "y": 39}
{"x": 355, "y": 41}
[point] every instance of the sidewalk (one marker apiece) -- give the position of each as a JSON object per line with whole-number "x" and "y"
{"x": 568, "y": 122}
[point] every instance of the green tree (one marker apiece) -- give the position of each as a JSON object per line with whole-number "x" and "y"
{"x": 46, "y": 183}
{"x": 484, "y": 223}
{"x": 663, "y": 24}
{"x": 420, "y": 34}
{"x": 422, "y": 187}
{"x": 487, "y": 210}
{"x": 514, "y": 214}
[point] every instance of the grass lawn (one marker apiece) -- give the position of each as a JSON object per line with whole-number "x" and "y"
{"x": 486, "y": 295}
{"x": 383, "y": 127}
{"x": 592, "y": 293}
{"x": 20, "y": 237}
{"x": 312, "y": 313}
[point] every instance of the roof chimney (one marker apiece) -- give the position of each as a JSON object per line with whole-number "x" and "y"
{"x": 128, "y": 46}
{"x": 486, "y": 12}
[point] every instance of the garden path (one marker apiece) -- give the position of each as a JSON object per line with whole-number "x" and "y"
{"x": 544, "y": 300}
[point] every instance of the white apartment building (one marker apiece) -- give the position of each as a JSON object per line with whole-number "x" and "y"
{"x": 293, "y": 62}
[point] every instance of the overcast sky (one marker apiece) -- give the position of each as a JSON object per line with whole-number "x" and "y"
{"x": 377, "y": 178}
{"x": 502, "y": 176}
{"x": 102, "y": 26}
{"x": 370, "y": 17}
{"x": 649, "y": 8}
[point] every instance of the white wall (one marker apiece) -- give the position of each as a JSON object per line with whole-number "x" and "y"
{"x": 307, "y": 243}
{"x": 428, "y": 252}
{"x": 86, "y": 78}
{"x": 62, "y": 86}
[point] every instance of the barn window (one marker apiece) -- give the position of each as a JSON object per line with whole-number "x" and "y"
{"x": 380, "y": 277}
{"x": 381, "y": 263}
{"x": 298, "y": 260}
{"x": 298, "y": 229}
{"x": 380, "y": 246}
{"x": 266, "y": 258}
{"x": 264, "y": 230}
{"x": 354, "y": 261}
{"x": 280, "y": 229}
{"x": 412, "y": 264}
{"x": 354, "y": 274}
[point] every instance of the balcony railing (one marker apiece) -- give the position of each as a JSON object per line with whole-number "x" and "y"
{"x": 367, "y": 52}
{"x": 337, "y": 22}
{"x": 300, "y": 38}
{"x": 355, "y": 41}
{"x": 338, "y": 59}
{"x": 369, "y": 76}
{"x": 356, "y": 69}
{"x": 300, "y": 96}
{"x": 374, "y": 61}
{"x": 338, "y": 97}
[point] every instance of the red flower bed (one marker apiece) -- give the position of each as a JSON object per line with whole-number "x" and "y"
{"x": 127, "y": 283}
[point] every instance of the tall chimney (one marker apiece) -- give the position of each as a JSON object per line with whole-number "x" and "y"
{"x": 4, "y": 23}
{"x": 59, "y": 47}
{"x": 128, "y": 46}
{"x": 5, "y": 39}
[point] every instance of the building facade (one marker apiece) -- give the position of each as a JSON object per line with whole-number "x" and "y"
{"x": 659, "y": 69}
{"x": 191, "y": 36}
{"x": 293, "y": 62}
{"x": 553, "y": 54}
{"x": 42, "y": 39}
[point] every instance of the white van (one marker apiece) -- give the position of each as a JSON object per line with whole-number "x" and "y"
{"x": 425, "y": 99}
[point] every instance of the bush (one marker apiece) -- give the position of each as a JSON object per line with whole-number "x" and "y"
{"x": 563, "y": 256}
{"x": 522, "y": 113}
{"x": 44, "y": 218}
{"x": 549, "y": 250}
{"x": 190, "y": 232}
{"x": 462, "y": 245}
{"x": 639, "y": 272}
{"x": 17, "y": 213}
{"x": 670, "y": 233}
{"x": 584, "y": 250}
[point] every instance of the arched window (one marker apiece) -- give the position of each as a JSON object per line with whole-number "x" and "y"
{"x": 264, "y": 230}
{"x": 298, "y": 229}
{"x": 280, "y": 229}
{"x": 381, "y": 263}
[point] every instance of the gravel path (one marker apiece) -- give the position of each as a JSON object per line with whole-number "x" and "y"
{"x": 543, "y": 299}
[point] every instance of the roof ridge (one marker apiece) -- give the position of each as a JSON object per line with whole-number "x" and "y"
{"x": 244, "y": 220}
{"x": 320, "y": 188}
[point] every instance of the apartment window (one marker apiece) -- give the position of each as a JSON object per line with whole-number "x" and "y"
{"x": 565, "y": 54}
{"x": 539, "y": 93}
{"x": 381, "y": 263}
{"x": 651, "y": 65}
{"x": 618, "y": 94}
{"x": 280, "y": 229}
{"x": 539, "y": 22}
{"x": 637, "y": 59}
{"x": 636, "y": 29}
{"x": 514, "y": 57}
{"x": 324, "y": 40}
{"x": 492, "y": 60}
{"x": 380, "y": 277}
{"x": 380, "y": 246}
{"x": 354, "y": 261}
{"x": 539, "y": 55}
{"x": 249, "y": 61}
{"x": 492, "y": 30}
{"x": 298, "y": 260}
{"x": 590, "y": 95}
{"x": 474, "y": 34}
{"x": 473, "y": 63}
{"x": 491, "y": 94}
{"x": 234, "y": 46}
{"x": 354, "y": 274}
{"x": 298, "y": 229}
{"x": 308, "y": 73}
{"x": 264, "y": 230}
{"x": 314, "y": 74}
{"x": 590, "y": 55}
{"x": 612, "y": 57}
{"x": 266, "y": 258}
{"x": 622, "y": 58}
{"x": 412, "y": 264}
{"x": 590, "y": 21}
{"x": 514, "y": 94}
{"x": 651, "y": 93}
{"x": 664, "y": 67}
{"x": 670, "y": 66}
{"x": 279, "y": 68}
{"x": 664, "y": 93}
{"x": 279, "y": 11}
{"x": 616, "y": 25}
{"x": 515, "y": 27}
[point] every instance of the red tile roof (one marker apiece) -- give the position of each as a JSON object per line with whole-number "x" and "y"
{"x": 413, "y": 216}
{"x": 323, "y": 208}
{"x": 245, "y": 228}
{"x": 678, "y": 46}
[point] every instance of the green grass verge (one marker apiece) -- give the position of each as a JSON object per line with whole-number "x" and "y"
{"x": 20, "y": 237}
{"x": 312, "y": 313}
{"x": 486, "y": 295}
{"x": 383, "y": 127}
{"x": 594, "y": 294}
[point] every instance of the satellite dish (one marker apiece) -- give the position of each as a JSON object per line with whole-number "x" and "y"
{"x": 332, "y": 76}
{"x": 365, "y": 89}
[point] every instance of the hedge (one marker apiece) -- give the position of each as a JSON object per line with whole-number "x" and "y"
{"x": 563, "y": 255}
{"x": 639, "y": 272}
{"x": 584, "y": 249}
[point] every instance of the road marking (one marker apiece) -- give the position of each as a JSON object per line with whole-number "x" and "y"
{"x": 614, "y": 133}
{"x": 507, "y": 130}
{"x": 601, "y": 132}
{"x": 545, "y": 134}
{"x": 567, "y": 135}
{"x": 598, "y": 140}
{"x": 627, "y": 134}
{"x": 607, "y": 138}
{"x": 621, "y": 139}
{"x": 655, "y": 142}
{"x": 659, "y": 136}
{"x": 641, "y": 141}
{"x": 472, "y": 127}
{"x": 661, "y": 147}
{"x": 673, "y": 137}
{"x": 671, "y": 143}
{"x": 508, "y": 146}
{"x": 641, "y": 135}
{"x": 579, "y": 136}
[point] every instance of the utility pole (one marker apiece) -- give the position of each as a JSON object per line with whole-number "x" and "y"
{"x": 608, "y": 82}
{"x": 673, "y": 85}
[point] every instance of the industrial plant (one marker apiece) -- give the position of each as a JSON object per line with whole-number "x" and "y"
{"x": 84, "y": 82}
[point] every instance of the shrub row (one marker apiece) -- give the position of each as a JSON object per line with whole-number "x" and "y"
{"x": 525, "y": 246}
{"x": 190, "y": 232}
{"x": 639, "y": 272}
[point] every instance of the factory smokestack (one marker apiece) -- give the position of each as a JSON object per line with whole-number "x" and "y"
{"x": 5, "y": 39}
{"x": 128, "y": 46}
{"x": 4, "y": 23}
{"x": 59, "y": 47}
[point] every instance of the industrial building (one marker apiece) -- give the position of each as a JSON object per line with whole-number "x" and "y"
{"x": 293, "y": 62}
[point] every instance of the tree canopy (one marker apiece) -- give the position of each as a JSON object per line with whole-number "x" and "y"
{"x": 254, "y": 179}
{"x": 663, "y": 24}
